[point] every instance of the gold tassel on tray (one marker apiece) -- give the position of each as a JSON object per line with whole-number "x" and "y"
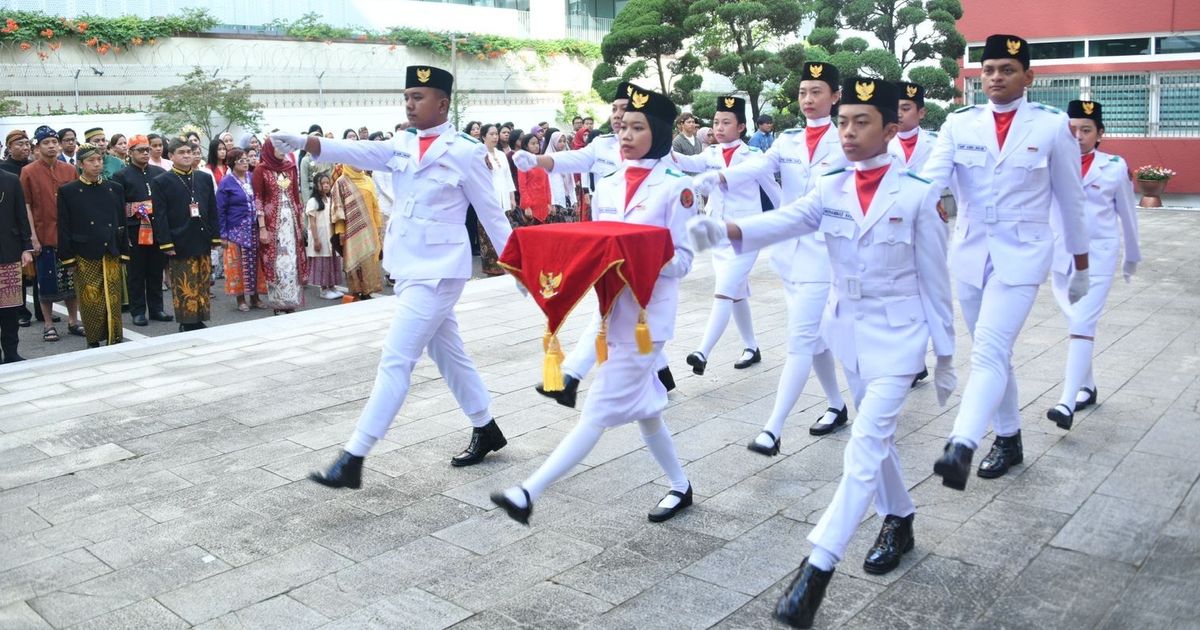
{"x": 602, "y": 342}
{"x": 552, "y": 376}
{"x": 642, "y": 332}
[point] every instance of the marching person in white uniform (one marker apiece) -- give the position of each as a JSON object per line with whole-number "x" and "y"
{"x": 891, "y": 296}
{"x": 800, "y": 157}
{"x": 1108, "y": 200}
{"x": 732, "y": 269}
{"x": 645, "y": 191}
{"x": 601, "y": 157}
{"x": 436, "y": 174}
{"x": 1012, "y": 161}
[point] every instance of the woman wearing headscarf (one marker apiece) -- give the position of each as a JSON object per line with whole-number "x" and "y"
{"x": 356, "y": 230}
{"x": 281, "y": 228}
{"x": 645, "y": 191}
{"x": 237, "y": 213}
{"x": 562, "y": 187}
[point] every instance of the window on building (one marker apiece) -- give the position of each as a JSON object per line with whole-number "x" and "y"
{"x": 1055, "y": 92}
{"x": 1179, "y": 104}
{"x": 1177, "y": 44}
{"x": 1126, "y": 99}
{"x": 1056, "y": 50}
{"x": 1119, "y": 47}
{"x": 975, "y": 54}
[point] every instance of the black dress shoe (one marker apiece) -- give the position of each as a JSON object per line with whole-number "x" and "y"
{"x": 895, "y": 539}
{"x": 1062, "y": 416}
{"x": 920, "y": 377}
{"x": 566, "y": 397}
{"x": 769, "y": 451}
{"x": 514, "y": 511}
{"x": 803, "y": 596}
{"x": 346, "y": 472}
{"x": 954, "y": 466}
{"x": 1080, "y": 405}
{"x": 747, "y": 361}
{"x": 484, "y": 440}
{"x": 140, "y": 320}
{"x": 161, "y": 317}
{"x": 1006, "y": 452}
{"x": 698, "y": 363}
{"x": 660, "y": 514}
{"x": 666, "y": 378}
{"x": 821, "y": 428}
{"x": 24, "y": 322}
{"x": 93, "y": 344}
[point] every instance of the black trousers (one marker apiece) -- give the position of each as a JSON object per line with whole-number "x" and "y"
{"x": 144, "y": 273}
{"x": 472, "y": 230}
{"x": 8, "y": 333}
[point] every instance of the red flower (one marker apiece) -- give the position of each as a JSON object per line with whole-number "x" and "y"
{"x": 104, "y": 48}
{"x": 137, "y": 41}
{"x": 9, "y": 26}
{"x": 92, "y": 42}
{"x": 26, "y": 46}
{"x": 47, "y": 33}
{"x": 55, "y": 45}
{"x": 43, "y": 55}
{"x": 81, "y": 27}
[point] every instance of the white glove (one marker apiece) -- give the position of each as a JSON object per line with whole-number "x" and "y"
{"x": 944, "y": 379}
{"x": 288, "y": 142}
{"x": 521, "y": 288}
{"x": 1128, "y": 269}
{"x": 1078, "y": 286}
{"x": 524, "y": 160}
{"x": 705, "y": 183}
{"x": 707, "y": 232}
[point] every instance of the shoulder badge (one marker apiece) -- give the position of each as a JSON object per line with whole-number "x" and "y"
{"x": 468, "y": 137}
{"x": 932, "y": 134}
{"x": 1047, "y": 108}
{"x": 917, "y": 177}
{"x": 412, "y": 130}
{"x": 605, "y": 135}
{"x": 686, "y": 198}
{"x": 793, "y": 130}
{"x": 963, "y": 109}
{"x": 754, "y": 149}
{"x": 835, "y": 171}
{"x": 1115, "y": 158}
{"x": 674, "y": 173}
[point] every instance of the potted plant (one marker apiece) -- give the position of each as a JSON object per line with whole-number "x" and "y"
{"x": 1153, "y": 181}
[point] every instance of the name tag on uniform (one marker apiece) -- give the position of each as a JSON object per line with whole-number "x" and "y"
{"x": 604, "y": 211}
{"x": 402, "y": 154}
{"x": 791, "y": 161}
{"x": 853, "y": 287}
{"x": 194, "y": 209}
{"x": 836, "y": 213}
{"x": 606, "y": 161}
{"x": 406, "y": 209}
{"x": 895, "y": 219}
{"x": 971, "y": 147}
{"x": 1031, "y": 149}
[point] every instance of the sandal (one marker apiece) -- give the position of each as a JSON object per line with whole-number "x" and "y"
{"x": 243, "y": 308}
{"x": 50, "y": 334}
{"x": 76, "y": 329}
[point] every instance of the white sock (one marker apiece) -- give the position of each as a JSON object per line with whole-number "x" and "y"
{"x": 791, "y": 384}
{"x": 662, "y": 447}
{"x": 822, "y": 559}
{"x": 964, "y": 442}
{"x": 578, "y": 443}
{"x": 1079, "y": 362}
{"x": 745, "y": 324}
{"x": 717, "y": 321}
{"x": 825, "y": 368}
{"x": 360, "y": 443}
{"x": 517, "y": 496}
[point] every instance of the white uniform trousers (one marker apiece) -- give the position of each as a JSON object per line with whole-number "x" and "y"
{"x": 626, "y": 388}
{"x": 871, "y": 465}
{"x": 424, "y": 320}
{"x": 994, "y": 315}
{"x": 732, "y": 271}
{"x": 582, "y": 357}
{"x": 805, "y": 306}
{"x": 1083, "y": 315}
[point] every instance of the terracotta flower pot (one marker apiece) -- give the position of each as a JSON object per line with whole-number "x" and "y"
{"x": 1152, "y": 190}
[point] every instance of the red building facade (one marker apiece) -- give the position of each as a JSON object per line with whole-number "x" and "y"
{"x": 1140, "y": 59}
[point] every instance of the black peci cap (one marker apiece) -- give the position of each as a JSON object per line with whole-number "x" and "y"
{"x": 733, "y": 105}
{"x": 430, "y": 77}
{"x": 884, "y": 95}
{"x": 911, "y": 92}
{"x": 652, "y": 104}
{"x": 820, "y": 71}
{"x": 1086, "y": 109}
{"x": 1006, "y": 47}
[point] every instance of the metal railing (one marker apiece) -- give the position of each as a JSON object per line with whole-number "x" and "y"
{"x": 587, "y": 28}
{"x": 1160, "y": 104}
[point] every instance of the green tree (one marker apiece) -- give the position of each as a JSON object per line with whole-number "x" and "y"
{"x": 206, "y": 101}
{"x": 911, "y": 31}
{"x": 652, "y": 31}
{"x": 740, "y": 40}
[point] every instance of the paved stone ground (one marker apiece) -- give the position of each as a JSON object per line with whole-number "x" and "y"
{"x": 160, "y": 484}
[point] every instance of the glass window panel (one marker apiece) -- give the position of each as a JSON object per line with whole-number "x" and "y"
{"x": 1120, "y": 47}
{"x": 1056, "y": 50}
{"x": 974, "y": 54}
{"x": 1055, "y": 92}
{"x": 1179, "y": 104}
{"x": 1178, "y": 44}
{"x": 1126, "y": 100}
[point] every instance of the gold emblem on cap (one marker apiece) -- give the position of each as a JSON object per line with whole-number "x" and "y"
{"x": 550, "y": 283}
{"x": 423, "y": 74}
{"x": 638, "y": 99}
{"x": 865, "y": 91}
{"x": 1088, "y": 108}
{"x": 911, "y": 91}
{"x": 628, "y": 90}
{"x": 1014, "y": 46}
{"x": 815, "y": 70}
{"x": 729, "y": 101}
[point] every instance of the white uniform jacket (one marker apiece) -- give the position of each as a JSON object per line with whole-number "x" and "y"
{"x": 1108, "y": 197}
{"x": 891, "y": 288}
{"x": 426, "y": 235}
{"x": 600, "y": 157}
{"x": 802, "y": 259}
{"x": 1005, "y": 197}
{"x": 735, "y": 202}
{"x": 658, "y": 201}
{"x": 921, "y": 152}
